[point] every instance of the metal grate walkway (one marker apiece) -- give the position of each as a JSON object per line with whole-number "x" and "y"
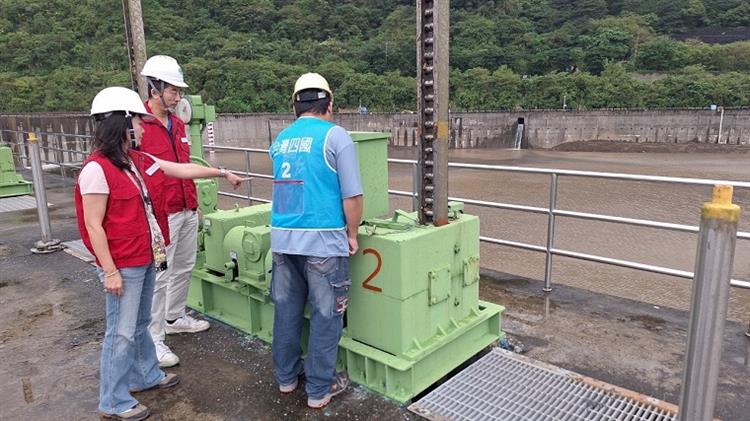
{"x": 509, "y": 387}
{"x": 17, "y": 203}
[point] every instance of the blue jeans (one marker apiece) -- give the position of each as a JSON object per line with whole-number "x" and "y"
{"x": 128, "y": 353}
{"x": 325, "y": 283}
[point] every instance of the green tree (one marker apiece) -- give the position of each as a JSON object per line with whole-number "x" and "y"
{"x": 738, "y": 16}
{"x": 475, "y": 44}
{"x": 662, "y": 53}
{"x": 607, "y": 44}
{"x": 616, "y": 88}
{"x": 691, "y": 87}
{"x": 694, "y": 14}
{"x": 244, "y": 55}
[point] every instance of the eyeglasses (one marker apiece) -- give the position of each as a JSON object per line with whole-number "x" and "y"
{"x": 175, "y": 91}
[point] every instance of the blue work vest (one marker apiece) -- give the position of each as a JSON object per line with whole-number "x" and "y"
{"x": 306, "y": 190}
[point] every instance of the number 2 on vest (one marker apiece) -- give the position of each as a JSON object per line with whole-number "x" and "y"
{"x": 285, "y": 170}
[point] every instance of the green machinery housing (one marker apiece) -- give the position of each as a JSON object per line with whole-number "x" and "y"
{"x": 197, "y": 115}
{"x": 11, "y": 183}
{"x": 414, "y": 312}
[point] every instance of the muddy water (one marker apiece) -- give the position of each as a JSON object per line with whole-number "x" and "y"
{"x": 655, "y": 201}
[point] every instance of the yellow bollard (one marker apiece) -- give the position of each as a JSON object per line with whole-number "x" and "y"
{"x": 721, "y": 207}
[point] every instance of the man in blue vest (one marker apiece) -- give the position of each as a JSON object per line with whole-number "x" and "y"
{"x": 317, "y": 208}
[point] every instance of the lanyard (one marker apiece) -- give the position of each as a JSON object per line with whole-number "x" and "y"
{"x": 158, "y": 246}
{"x": 139, "y": 183}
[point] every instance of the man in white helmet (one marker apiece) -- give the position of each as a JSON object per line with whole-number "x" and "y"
{"x": 165, "y": 138}
{"x": 317, "y": 208}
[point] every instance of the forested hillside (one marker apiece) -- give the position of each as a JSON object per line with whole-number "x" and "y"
{"x": 243, "y": 55}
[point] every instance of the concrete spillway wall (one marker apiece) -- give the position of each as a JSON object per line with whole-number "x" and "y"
{"x": 543, "y": 128}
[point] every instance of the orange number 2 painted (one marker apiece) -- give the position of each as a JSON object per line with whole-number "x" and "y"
{"x": 366, "y": 283}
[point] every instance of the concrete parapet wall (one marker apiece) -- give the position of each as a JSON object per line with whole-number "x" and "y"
{"x": 547, "y": 129}
{"x": 543, "y": 128}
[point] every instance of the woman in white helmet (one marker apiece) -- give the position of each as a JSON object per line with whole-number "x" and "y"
{"x": 121, "y": 219}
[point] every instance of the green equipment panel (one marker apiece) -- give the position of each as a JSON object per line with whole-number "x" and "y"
{"x": 414, "y": 311}
{"x": 11, "y": 184}
{"x": 414, "y": 282}
{"x": 372, "y": 154}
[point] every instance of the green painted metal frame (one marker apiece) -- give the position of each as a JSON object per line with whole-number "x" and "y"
{"x": 397, "y": 377}
{"x": 11, "y": 183}
{"x": 405, "y": 358}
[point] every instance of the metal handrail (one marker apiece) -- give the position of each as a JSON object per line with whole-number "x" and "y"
{"x": 592, "y": 174}
{"x": 83, "y": 136}
{"x": 579, "y": 215}
{"x": 552, "y": 211}
{"x": 235, "y": 148}
{"x": 607, "y": 175}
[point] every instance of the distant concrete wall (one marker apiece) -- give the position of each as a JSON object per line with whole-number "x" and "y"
{"x": 543, "y": 129}
{"x": 468, "y": 130}
{"x": 547, "y": 129}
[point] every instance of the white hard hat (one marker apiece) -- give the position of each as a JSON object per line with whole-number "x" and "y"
{"x": 116, "y": 98}
{"x": 311, "y": 81}
{"x": 164, "y": 68}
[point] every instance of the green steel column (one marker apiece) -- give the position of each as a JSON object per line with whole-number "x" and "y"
{"x": 201, "y": 115}
{"x": 198, "y": 117}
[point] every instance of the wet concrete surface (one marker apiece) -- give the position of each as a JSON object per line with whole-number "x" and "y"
{"x": 51, "y": 328}
{"x": 52, "y": 323}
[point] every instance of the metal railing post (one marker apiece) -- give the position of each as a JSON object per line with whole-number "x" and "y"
{"x": 550, "y": 234}
{"x": 21, "y": 141}
{"x": 270, "y": 138}
{"x": 59, "y": 155}
{"x": 249, "y": 182}
{"x": 415, "y": 188}
{"x": 708, "y": 310}
{"x": 46, "y": 244}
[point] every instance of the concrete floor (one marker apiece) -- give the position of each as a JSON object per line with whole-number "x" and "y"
{"x": 51, "y": 326}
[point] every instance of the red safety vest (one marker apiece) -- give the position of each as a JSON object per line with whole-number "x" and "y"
{"x": 125, "y": 222}
{"x": 157, "y": 141}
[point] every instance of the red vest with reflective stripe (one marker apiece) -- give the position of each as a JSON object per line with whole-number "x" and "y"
{"x": 180, "y": 194}
{"x": 125, "y": 223}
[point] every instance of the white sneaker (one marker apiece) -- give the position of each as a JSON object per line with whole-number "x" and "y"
{"x": 166, "y": 357}
{"x": 186, "y": 324}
